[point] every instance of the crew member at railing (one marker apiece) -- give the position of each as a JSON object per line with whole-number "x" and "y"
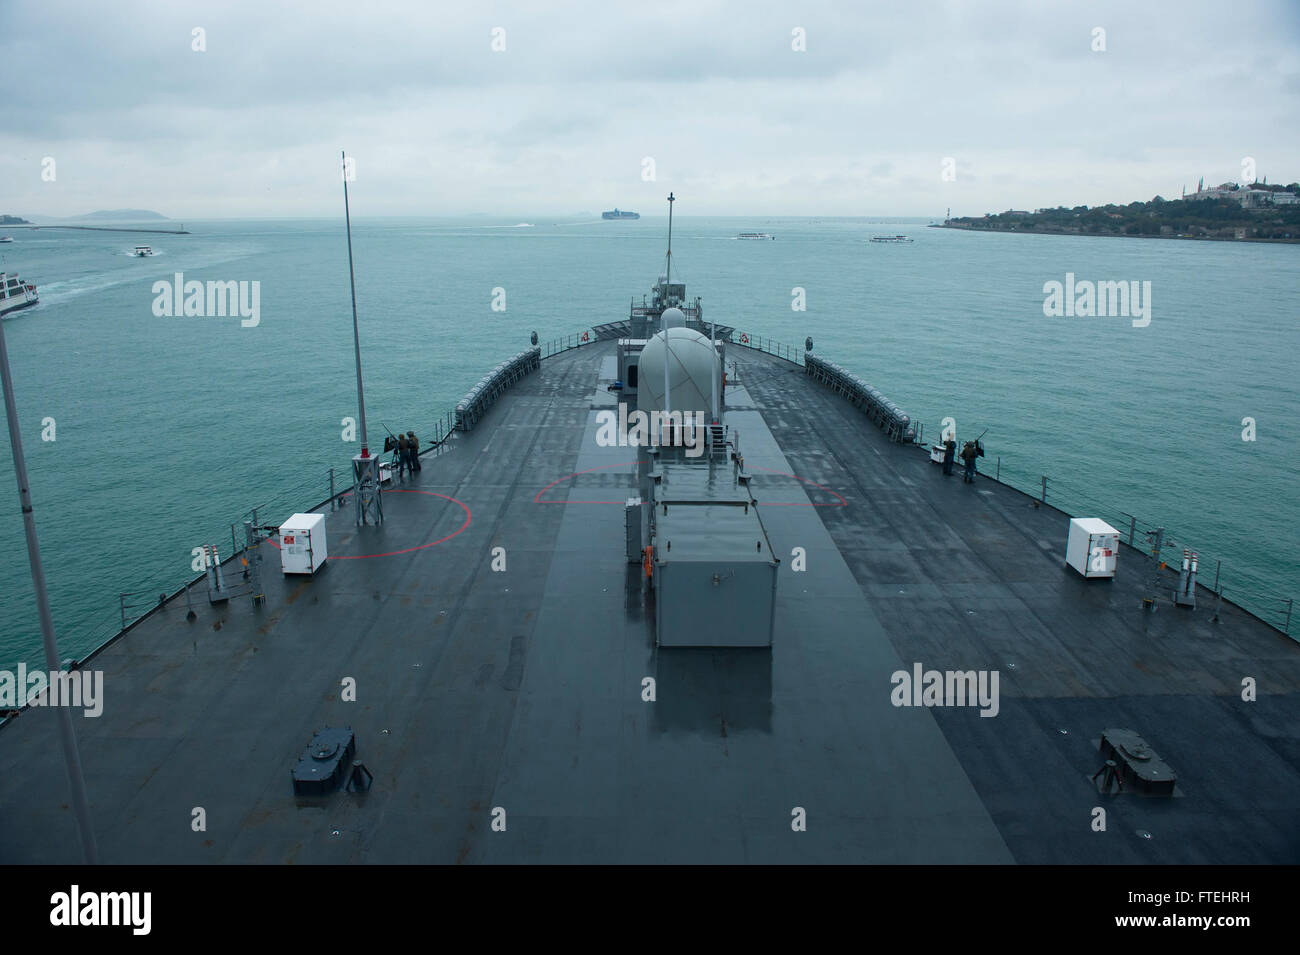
{"x": 413, "y": 450}
{"x": 969, "y": 453}
{"x": 949, "y": 452}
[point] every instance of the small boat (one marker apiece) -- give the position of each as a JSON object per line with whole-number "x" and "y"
{"x": 6, "y": 238}
{"x": 15, "y": 294}
{"x": 755, "y": 235}
{"x": 142, "y": 251}
{"x": 890, "y": 238}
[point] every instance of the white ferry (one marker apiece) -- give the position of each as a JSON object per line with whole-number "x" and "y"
{"x": 143, "y": 250}
{"x": 890, "y": 238}
{"x": 6, "y": 238}
{"x": 755, "y": 235}
{"x": 15, "y": 294}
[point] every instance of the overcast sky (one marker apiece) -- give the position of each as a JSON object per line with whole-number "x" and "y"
{"x": 561, "y": 121}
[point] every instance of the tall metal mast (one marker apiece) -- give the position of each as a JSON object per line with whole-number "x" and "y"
{"x": 668, "y": 278}
{"x": 67, "y": 734}
{"x": 713, "y": 369}
{"x": 356, "y": 334}
{"x": 364, "y": 465}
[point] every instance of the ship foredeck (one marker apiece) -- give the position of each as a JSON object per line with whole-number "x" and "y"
{"x": 500, "y": 644}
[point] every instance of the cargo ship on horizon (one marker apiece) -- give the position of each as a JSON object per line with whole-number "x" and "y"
{"x": 620, "y": 214}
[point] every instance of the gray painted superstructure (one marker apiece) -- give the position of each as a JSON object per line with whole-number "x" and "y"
{"x": 718, "y": 587}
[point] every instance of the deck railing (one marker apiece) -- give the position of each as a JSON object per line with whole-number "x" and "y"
{"x": 557, "y": 345}
{"x": 791, "y": 353}
{"x": 1139, "y": 534}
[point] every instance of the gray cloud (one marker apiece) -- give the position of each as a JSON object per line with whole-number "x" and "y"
{"x": 440, "y": 124}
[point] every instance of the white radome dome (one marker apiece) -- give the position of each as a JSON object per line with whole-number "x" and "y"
{"x": 692, "y": 368}
{"x": 672, "y": 318}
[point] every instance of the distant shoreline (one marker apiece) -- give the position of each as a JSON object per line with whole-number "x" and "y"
{"x": 104, "y": 228}
{"x": 1029, "y": 230}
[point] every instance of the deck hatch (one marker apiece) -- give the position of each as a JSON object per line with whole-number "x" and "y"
{"x": 323, "y": 763}
{"x": 1136, "y": 764}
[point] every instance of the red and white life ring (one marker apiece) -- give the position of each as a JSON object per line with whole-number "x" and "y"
{"x": 586, "y": 336}
{"x": 744, "y": 339}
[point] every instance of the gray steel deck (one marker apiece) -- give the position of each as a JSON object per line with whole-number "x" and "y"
{"x": 522, "y": 689}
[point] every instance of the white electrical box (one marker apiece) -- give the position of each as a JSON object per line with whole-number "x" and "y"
{"x": 1093, "y": 547}
{"x": 302, "y": 544}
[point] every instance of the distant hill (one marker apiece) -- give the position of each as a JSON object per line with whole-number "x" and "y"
{"x": 121, "y": 215}
{"x": 13, "y": 220}
{"x": 1183, "y": 218}
{"x": 103, "y": 215}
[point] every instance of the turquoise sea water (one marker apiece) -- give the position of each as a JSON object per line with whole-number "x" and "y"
{"x": 169, "y": 429}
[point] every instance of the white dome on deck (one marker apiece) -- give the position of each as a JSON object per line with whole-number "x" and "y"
{"x": 692, "y": 366}
{"x": 672, "y": 318}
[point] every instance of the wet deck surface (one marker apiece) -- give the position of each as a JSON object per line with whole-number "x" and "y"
{"x": 522, "y": 688}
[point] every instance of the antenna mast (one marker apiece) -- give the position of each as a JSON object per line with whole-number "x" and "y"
{"x": 364, "y": 465}
{"x": 668, "y": 277}
{"x": 668, "y": 273}
{"x": 356, "y": 335}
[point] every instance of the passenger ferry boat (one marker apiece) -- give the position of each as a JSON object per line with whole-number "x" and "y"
{"x": 143, "y": 250}
{"x": 15, "y": 294}
{"x": 755, "y": 235}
